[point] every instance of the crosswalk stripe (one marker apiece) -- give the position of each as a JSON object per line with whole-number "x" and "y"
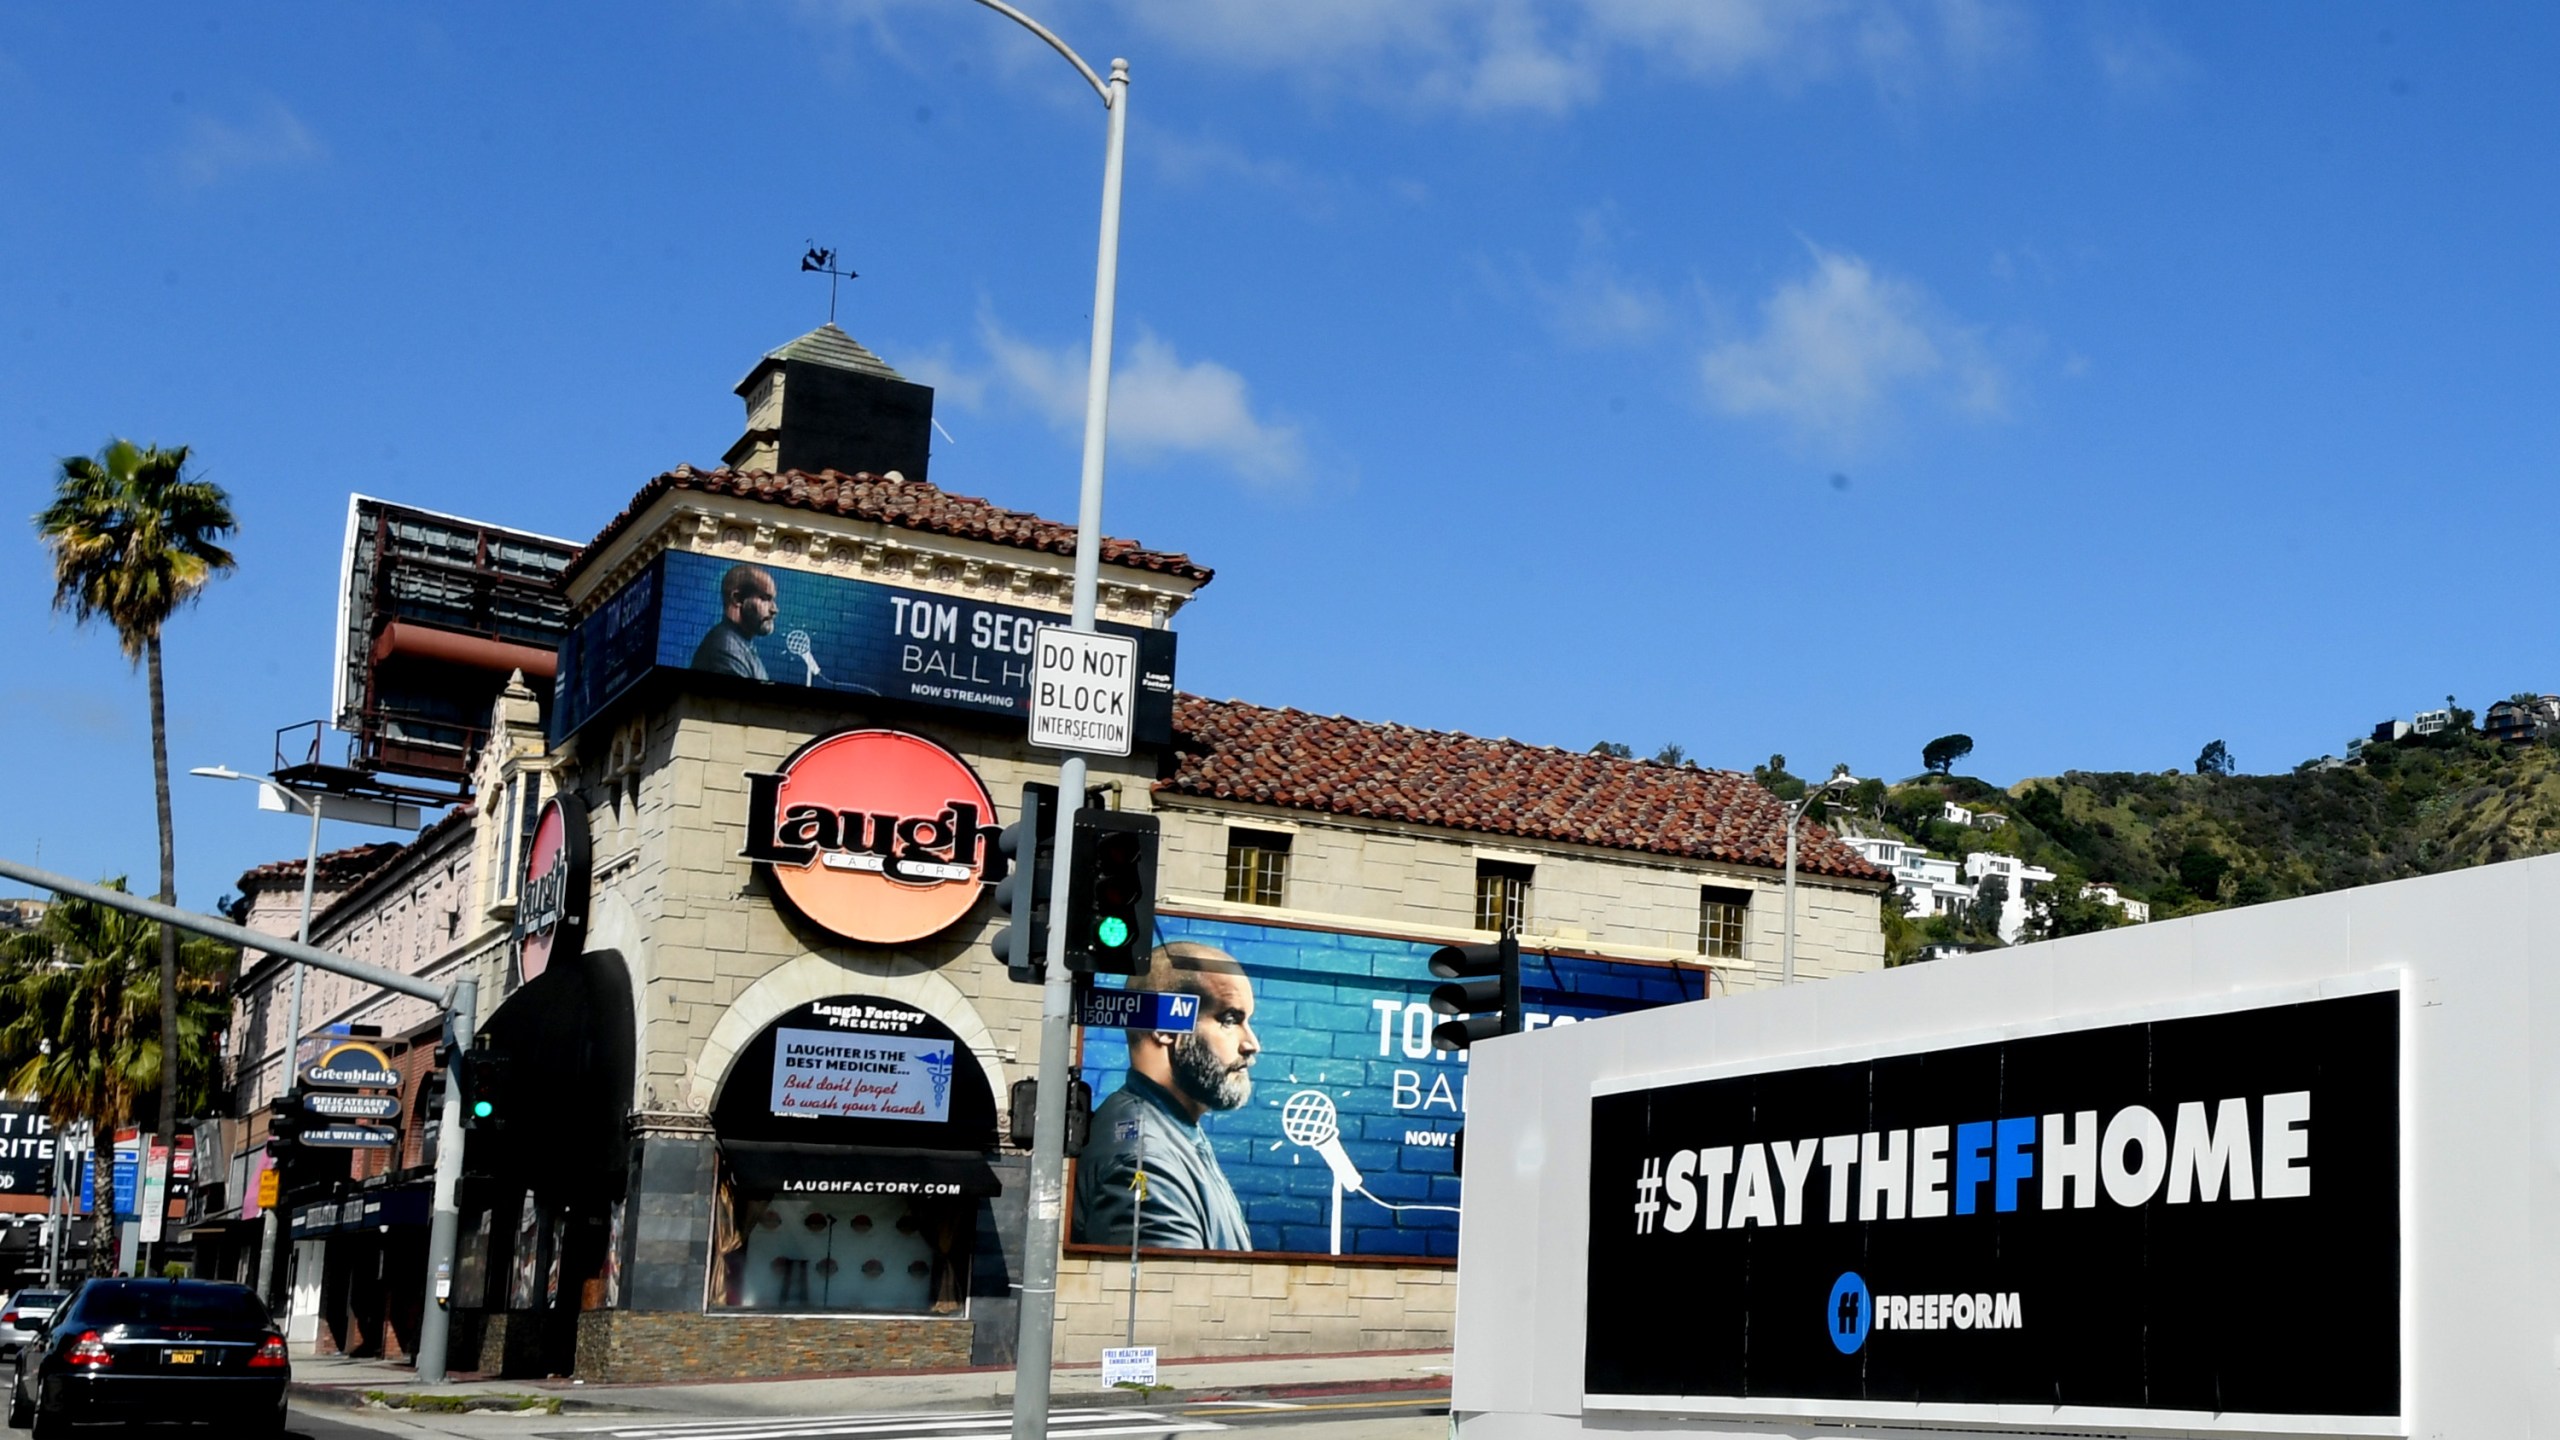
{"x": 1063, "y": 1425}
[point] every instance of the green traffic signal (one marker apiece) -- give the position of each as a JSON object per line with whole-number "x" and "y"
{"x": 1113, "y": 932}
{"x": 482, "y": 1110}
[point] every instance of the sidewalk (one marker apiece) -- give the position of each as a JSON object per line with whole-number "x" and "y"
{"x": 334, "y": 1380}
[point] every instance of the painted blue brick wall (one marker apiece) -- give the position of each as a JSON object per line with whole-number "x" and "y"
{"x": 1317, "y": 998}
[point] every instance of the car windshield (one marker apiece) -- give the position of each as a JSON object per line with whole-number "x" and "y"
{"x": 36, "y": 1300}
{"x": 132, "y": 1302}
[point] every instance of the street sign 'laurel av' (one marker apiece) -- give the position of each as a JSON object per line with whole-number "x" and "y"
{"x": 1083, "y": 688}
{"x": 1138, "y": 1010}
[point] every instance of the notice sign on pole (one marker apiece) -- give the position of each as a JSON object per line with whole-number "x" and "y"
{"x": 2186, "y": 1221}
{"x": 1083, "y": 688}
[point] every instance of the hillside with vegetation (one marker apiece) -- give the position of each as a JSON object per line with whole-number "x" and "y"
{"x": 2192, "y": 842}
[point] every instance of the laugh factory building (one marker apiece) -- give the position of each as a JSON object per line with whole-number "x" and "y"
{"x": 759, "y": 1046}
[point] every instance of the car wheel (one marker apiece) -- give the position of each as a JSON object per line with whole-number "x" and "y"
{"x": 19, "y": 1414}
{"x": 49, "y": 1427}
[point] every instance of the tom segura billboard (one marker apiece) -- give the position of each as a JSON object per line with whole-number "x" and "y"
{"x": 2188, "y": 1220}
{"x": 1307, "y": 1115}
{"x": 772, "y": 624}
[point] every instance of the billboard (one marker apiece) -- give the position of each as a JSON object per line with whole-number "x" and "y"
{"x": 26, "y": 1148}
{"x": 777, "y": 625}
{"x": 2190, "y": 1219}
{"x": 1308, "y": 1114}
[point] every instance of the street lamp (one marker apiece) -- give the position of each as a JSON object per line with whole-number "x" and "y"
{"x": 1841, "y": 780}
{"x": 274, "y": 795}
{"x": 1038, "y": 1313}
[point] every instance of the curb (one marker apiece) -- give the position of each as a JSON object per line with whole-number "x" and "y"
{"x": 352, "y": 1397}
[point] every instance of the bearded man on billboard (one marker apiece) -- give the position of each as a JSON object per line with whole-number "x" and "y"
{"x": 1174, "y": 1080}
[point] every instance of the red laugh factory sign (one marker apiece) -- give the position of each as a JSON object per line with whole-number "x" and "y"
{"x": 877, "y": 836}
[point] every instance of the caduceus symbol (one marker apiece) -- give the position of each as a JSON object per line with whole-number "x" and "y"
{"x": 797, "y": 643}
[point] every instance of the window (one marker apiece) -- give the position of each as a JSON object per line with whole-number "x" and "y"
{"x": 1257, "y": 867}
{"x": 1502, "y": 896}
{"x": 1721, "y": 910}
{"x": 877, "y": 1253}
{"x": 505, "y": 885}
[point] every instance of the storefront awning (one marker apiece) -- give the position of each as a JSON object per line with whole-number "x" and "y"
{"x": 783, "y": 1168}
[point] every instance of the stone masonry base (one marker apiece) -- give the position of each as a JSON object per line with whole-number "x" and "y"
{"x": 1200, "y": 1308}
{"x": 634, "y": 1345}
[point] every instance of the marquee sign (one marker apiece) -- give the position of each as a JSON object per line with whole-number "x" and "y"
{"x": 2191, "y": 1221}
{"x": 551, "y": 904}
{"x": 831, "y": 634}
{"x": 876, "y": 836}
{"x": 352, "y": 1065}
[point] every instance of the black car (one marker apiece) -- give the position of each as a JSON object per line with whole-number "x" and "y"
{"x": 154, "y": 1350}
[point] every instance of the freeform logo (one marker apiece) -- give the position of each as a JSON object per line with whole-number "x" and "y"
{"x": 1978, "y": 1311}
{"x": 1852, "y": 1311}
{"x": 2204, "y": 1155}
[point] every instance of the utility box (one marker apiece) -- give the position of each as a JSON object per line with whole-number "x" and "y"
{"x": 2282, "y": 1170}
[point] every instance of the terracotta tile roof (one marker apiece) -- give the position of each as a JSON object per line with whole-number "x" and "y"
{"x": 340, "y": 870}
{"x": 1230, "y": 750}
{"x": 906, "y": 504}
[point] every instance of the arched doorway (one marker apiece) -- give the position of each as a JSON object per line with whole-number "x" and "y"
{"x": 853, "y": 1136}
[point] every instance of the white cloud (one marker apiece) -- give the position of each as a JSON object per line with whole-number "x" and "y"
{"x": 1596, "y": 303}
{"x": 272, "y": 137}
{"x": 2139, "y": 62}
{"x": 1554, "y": 56}
{"x": 1839, "y": 345}
{"x": 1162, "y": 406}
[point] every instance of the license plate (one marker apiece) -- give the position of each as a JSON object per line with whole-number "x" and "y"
{"x": 183, "y": 1357}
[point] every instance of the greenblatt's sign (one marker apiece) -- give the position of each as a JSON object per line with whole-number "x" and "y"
{"x": 352, "y": 1065}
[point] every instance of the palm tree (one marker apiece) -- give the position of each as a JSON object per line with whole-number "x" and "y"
{"x": 80, "y": 1010}
{"x": 132, "y": 539}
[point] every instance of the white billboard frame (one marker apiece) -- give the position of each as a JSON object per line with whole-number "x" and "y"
{"x": 2477, "y": 957}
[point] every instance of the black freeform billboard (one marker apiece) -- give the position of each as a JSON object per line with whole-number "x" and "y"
{"x": 2196, "y": 1218}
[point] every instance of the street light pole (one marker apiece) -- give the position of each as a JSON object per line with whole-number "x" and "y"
{"x": 1035, "y": 1339}
{"x": 270, "y": 1235}
{"x": 1795, "y": 814}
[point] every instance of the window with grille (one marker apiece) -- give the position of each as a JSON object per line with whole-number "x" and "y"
{"x": 1502, "y": 896}
{"x": 1721, "y": 912}
{"x": 1257, "y": 867}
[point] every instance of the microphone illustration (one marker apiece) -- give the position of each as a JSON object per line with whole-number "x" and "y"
{"x": 1309, "y": 1118}
{"x": 797, "y": 643}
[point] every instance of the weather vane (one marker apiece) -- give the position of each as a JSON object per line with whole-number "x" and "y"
{"x": 824, "y": 262}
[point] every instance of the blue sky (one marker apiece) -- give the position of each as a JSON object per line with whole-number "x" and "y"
{"x": 2098, "y": 380}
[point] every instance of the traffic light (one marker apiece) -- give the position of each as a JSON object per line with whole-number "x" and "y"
{"x": 1030, "y": 848}
{"x": 1483, "y": 993}
{"x": 284, "y": 1125}
{"x": 1111, "y": 893}
{"x": 1022, "y": 1110}
{"x": 483, "y": 1076}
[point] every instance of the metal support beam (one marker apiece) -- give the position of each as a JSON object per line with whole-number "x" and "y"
{"x": 238, "y": 935}
{"x": 460, "y": 1003}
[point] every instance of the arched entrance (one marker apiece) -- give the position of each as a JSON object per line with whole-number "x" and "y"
{"x": 552, "y": 1177}
{"x": 853, "y": 1174}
